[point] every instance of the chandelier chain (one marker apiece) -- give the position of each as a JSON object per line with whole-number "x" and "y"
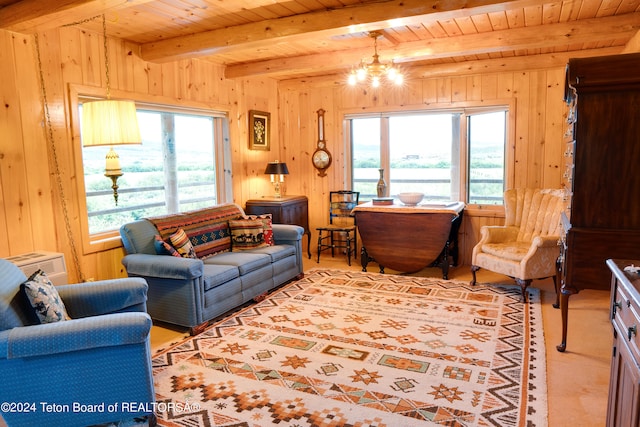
{"x": 106, "y": 56}
{"x": 56, "y": 165}
{"x": 103, "y": 17}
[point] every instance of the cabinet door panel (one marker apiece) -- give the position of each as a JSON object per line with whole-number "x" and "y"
{"x": 624, "y": 392}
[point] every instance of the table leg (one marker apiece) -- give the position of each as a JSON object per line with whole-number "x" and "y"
{"x": 364, "y": 258}
{"x": 445, "y": 262}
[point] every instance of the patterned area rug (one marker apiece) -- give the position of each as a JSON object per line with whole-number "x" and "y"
{"x": 347, "y": 348}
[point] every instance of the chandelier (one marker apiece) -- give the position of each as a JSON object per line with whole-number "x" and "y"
{"x": 374, "y": 71}
{"x": 109, "y": 122}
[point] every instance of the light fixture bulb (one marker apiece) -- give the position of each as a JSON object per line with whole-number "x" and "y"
{"x": 374, "y": 71}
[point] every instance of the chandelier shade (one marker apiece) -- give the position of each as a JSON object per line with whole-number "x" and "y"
{"x": 375, "y": 72}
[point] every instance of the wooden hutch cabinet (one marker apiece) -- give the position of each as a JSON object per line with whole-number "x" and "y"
{"x": 602, "y": 176}
{"x": 623, "y": 409}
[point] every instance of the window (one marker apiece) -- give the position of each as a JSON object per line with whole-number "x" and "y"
{"x": 174, "y": 170}
{"x": 487, "y": 138}
{"x": 447, "y": 155}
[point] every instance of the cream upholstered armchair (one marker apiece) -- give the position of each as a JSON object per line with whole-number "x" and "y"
{"x": 526, "y": 247}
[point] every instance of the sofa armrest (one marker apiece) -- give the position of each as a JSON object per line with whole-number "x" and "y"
{"x": 284, "y": 233}
{"x": 163, "y": 266}
{"x": 104, "y": 297}
{"x": 75, "y": 335}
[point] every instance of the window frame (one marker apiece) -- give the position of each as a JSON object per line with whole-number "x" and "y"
{"x": 98, "y": 242}
{"x": 466, "y": 108}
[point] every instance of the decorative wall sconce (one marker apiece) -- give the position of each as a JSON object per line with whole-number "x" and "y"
{"x": 277, "y": 171}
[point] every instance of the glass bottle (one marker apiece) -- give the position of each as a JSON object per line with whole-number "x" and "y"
{"x": 382, "y": 186}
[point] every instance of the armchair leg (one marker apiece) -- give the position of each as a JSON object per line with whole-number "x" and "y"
{"x": 524, "y": 284}
{"x": 474, "y": 268}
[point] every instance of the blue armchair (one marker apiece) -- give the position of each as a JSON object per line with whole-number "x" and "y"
{"x": 94, "y": 368}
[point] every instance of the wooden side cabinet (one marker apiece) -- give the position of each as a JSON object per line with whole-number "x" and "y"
{"x": 624, "y": 384}
{"x": 285, "y": 210}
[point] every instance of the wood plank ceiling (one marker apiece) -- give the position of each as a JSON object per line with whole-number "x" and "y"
{"x": 303, "y": 38}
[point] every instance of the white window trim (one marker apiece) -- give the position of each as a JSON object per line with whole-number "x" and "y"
{"x": 464, "y": 107}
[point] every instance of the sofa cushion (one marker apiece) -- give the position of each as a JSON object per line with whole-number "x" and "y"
{"x": 215, "y": 275}
{"x": 44, "y": 298}
{"x": 276, "y": 252}
{"x": 246, "y": 261}
{"x": 246, "y": 234}
{"x": 181, "y": 242}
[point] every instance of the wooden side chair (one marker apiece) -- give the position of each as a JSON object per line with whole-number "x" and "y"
{"x": 341, "y": 232}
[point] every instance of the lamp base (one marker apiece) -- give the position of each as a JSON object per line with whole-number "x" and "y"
{"x": 114, "y": 186}
{"x": 276, "y": 188}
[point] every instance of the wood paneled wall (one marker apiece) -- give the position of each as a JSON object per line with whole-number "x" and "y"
{"x": 31, "y": 206}
{"x": 539, "y": 119}
{"x": 30, "y": 196}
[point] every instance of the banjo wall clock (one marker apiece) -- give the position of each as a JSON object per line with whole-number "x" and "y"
{"x": 321, "y": 157}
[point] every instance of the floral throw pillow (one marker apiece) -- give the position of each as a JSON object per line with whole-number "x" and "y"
{"x": 44, "y": 298}
{"x": 180, "y": 241}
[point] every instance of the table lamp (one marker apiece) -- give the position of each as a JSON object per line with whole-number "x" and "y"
{"x": 279, "y": 169}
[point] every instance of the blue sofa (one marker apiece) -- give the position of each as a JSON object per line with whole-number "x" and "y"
{"x": 75, "y": 372}
{"x": 189, "y": 292}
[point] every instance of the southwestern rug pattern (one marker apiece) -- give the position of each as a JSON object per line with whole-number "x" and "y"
{"x": 347, "y": 348}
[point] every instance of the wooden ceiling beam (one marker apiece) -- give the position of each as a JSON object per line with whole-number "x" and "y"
{"x": 30, "y": 16}
{"x": 324, "y": 23}
{"x": 26, "y": 10}
{"x": 511, "y": 64}
{"x": 551, "y": 35}
{"x": 467, "y": 68}
{"x": 633, "y": 45}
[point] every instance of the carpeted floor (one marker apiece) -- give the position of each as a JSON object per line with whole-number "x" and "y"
{"x": 346, "y": 348}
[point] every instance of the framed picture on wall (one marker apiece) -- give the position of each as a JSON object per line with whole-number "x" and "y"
{"x": 259, "y": 130}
